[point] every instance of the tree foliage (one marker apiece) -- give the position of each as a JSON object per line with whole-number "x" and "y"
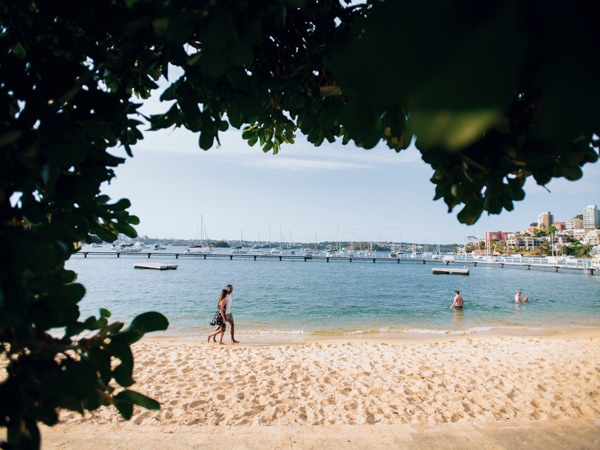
{"x": 492, "y": 93}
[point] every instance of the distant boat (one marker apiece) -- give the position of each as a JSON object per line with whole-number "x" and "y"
{"x": 394, "y": 253}
{"x": 204, "y": 246}
{"x": 449, "y": 271}
{"x": 199, "y": 249}
{"x": 158, "y": 246}
{"x": 128, "y": 248}
{"x": 308, "y": 254}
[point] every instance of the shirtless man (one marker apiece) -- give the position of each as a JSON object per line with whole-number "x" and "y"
{"x": 458, "y": 302}
{"x": 519, "y": 299}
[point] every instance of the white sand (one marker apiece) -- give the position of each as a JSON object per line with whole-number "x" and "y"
{"x": 355, "y": 387}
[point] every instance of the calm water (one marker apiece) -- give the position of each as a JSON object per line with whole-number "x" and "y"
{"x": 275, "y": 299}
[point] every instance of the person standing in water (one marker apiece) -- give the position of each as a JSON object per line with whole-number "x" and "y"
{"x": 519, "y": 299}
{"x": 458, "y": 302}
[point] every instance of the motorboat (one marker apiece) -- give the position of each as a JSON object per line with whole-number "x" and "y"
{"x": 158, "y": 246}
{"x": 199, "y": 249}
{"x": 308, "y": 254}
{"x": 134, "y": 247}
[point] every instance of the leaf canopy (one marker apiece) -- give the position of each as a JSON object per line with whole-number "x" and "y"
{"x": 491, "y": 94}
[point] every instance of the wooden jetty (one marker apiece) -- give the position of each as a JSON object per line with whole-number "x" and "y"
{"x": 589, "y": 267}
{"x": 155, "y": 266}
{"x": 449, "y": 271}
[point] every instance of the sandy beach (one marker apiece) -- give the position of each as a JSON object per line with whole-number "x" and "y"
{"x": 463, "y": 392}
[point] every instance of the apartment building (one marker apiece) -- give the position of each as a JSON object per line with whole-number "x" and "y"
{"x": 591, "y": 217}
{"x": 545, "y": 219}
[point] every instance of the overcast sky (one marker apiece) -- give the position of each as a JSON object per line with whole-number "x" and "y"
{"x": 308, "y": 194}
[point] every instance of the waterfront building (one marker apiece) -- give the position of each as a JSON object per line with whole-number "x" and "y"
{"x": 545, "y": 219}
{"x": 591, "y": 217}
{"x": 574, "y": 224}
{"x": 528, "y": 243}
{"x": 592, "y": 237}
{"x": 501, "y": 236}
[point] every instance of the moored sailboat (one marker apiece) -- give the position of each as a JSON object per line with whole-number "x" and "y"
{"x": 204, "y": 245}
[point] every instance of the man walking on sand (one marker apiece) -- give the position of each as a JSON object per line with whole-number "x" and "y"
{"x": 228, "y": 314}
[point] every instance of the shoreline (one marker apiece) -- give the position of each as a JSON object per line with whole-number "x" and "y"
{"x": 339, "y": 390}
{"x": 391, "y": 337}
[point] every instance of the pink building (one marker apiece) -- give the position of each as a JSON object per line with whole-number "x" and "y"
{"x": 501, "y": 236}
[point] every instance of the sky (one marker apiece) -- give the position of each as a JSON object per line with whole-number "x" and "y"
{"x": 309, "y": 194}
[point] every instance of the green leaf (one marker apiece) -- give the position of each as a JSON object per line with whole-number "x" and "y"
{"x": 101, "y": 359}
{"x": 241, "y": 53}
{"x": 104, "y": 234}
{"x": 124, "y": 407}
{"x": 148, "y": 322}
{"x": 123, "y": 373}
{"x": 214, "y": 63}
{"x": 121, "y": 205}
{"x": 207, "y": 137}
{"x": 469, "y": 214}
{"x": 125, "y": 400}
{"x": 452, "y": 130}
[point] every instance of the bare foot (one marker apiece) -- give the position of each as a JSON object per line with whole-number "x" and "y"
{"x": 222, "y": 343}
{"x": 235, "y": 342}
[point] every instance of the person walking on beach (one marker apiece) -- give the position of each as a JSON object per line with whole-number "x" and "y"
{"x": 458, "y": 302}
{"x": 229, "y": 314}
{"x": 221, "y": 318}
{"x": 518, "y": 298}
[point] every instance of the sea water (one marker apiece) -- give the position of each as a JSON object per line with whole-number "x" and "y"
{"x": 296, "y": 298}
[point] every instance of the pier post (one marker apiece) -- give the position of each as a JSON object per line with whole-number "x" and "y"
{"x": 176, "y": 255}
{"x": 423, "y": 261}
{"x": 374, "y": 259}
{"x": 528, "y": 266}
{"x": 556, "y": 268}
{"x": 149, "y": 255}
{"x": 230, "y": 257}
{"x": 502, "y": 265}
{"x": 474, "y": 264}
{"x": 205, "y": 256}
{"x": 398, "y": 260}
{"x": 350, "y": 259}
{"x": 254, "y": 257}
{"x": 447, "y": 263}
{"x": 327, "y": 258}
{"x": 118, "y": 255}
{"x": 85, "y": 255}
{"x": 281, "y": 258}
